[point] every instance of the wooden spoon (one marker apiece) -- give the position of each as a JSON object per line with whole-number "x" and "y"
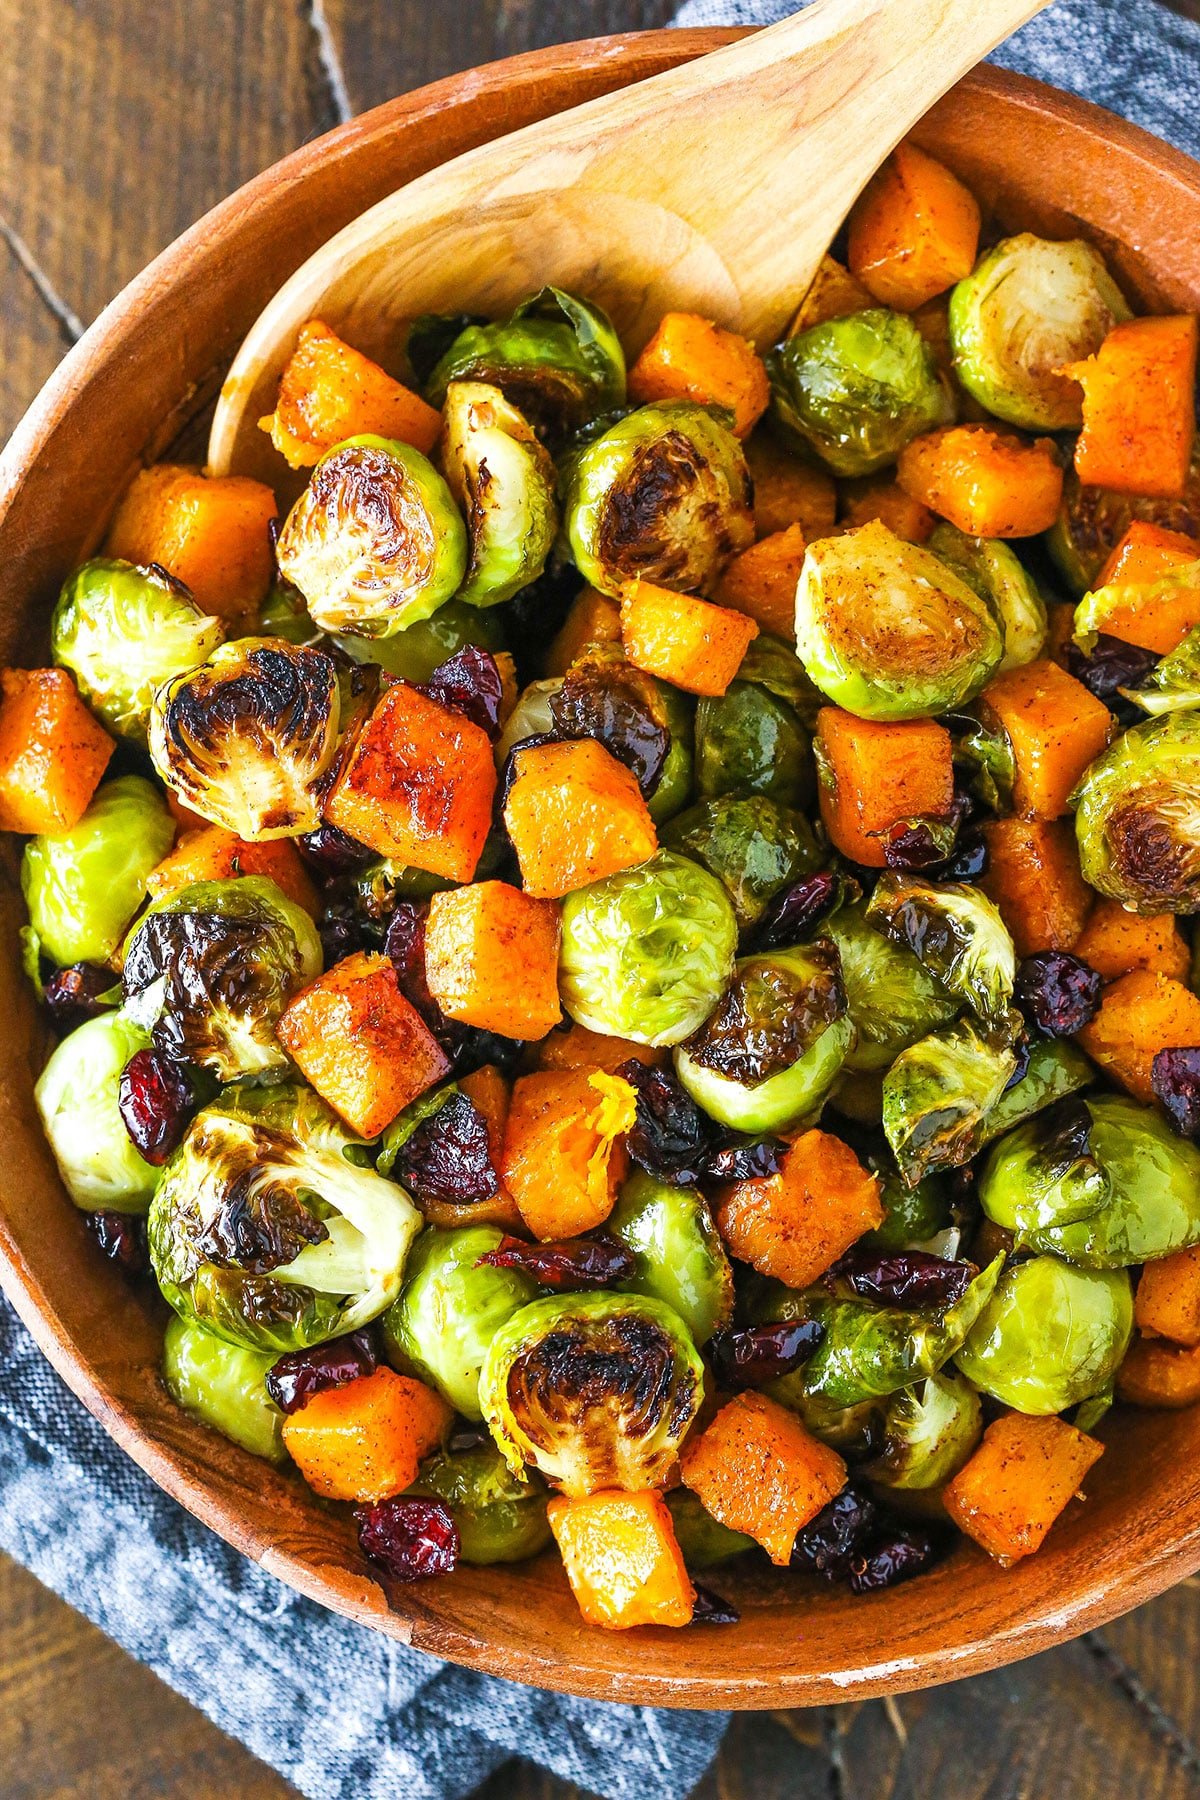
{"x": 715, "y": 188}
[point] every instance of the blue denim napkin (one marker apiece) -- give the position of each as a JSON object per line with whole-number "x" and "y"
{"x": 344, "y": 1713}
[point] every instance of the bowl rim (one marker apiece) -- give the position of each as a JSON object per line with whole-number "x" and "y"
{"x": 1093, "y": 1601}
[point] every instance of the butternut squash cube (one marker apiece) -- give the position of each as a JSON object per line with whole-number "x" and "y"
{"x": 52, "y": 751}
{"x": 579, "y": 1048}
{"x": 989, "y": 483}
{"x": 914, "y": 231}
{"x": 1115, "y": 942}
{"x": 1139, "y": 407}
{"x": 794, "y": 1224}
{"x": 1147, "y": 552}
{"x": 1033, "y": 876}
{"x": 758, "y": 1470}
{"x": 788, "y": 491}
{"x": 876, "y": 776}
{"x": 690, "y": 358}
{"x": 563, "y": 1160}
{"x": 1159, "y": 1374}
{"x": 833, "y": 293}
{"x": 574, "y": 815}
{"x": 1139, "y": 1015}
{"x": 1146, "y": 555}
{"x": 622, "y": 1559}
{"x": 214, "y": 854}
{"x": 491, "y": 959}
{"x": 1056, "y": 728}
{"x": 594, "y": 620}
{"x": 211, "y": 534}
{"x": 761, "y": 582}
{"x": 1023, "y": 1475}
{"x": 1167, "y": 1303}
{"x": 365, "y": 1440}
{"x": 877, "y": 497}
{"x": 329, "y": 393}
{"x": 690, "y": 642}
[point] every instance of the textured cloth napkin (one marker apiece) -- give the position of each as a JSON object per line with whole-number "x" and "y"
{"x": 344, "y": 1713}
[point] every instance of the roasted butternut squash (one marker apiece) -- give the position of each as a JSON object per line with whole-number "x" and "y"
{"x": 330, "y": 392}
{"x": 579, "y": 1048}
{"x": 574, "y": 815}
{"x": 758, "y": 1470}
{"x": 211, "y": 534}
{"x": 52, "y": 751}
{"x": 1033, "y": 876}
{"x": 563, "y": 1159}
{"x": 213, "y": 854}
{"x": 878, "y": 497}
{"x": 1167, "y": 1303}
{"x": 690, "y": 642}
{"x": 833, "y": 293}
{"x": 1139, "y": 407}
{"x": 1159, "y": 1374}
{"x": 491, "y": 959}
{"x": 593, "y": 621}
{"x": 761, "y": 582}
{"x": 989, "y": 483}
{"x": 622, "y": 1559}
{"x": 876, "y": 775}
{"x": 788, "y": 491}
{"x": 365, "y": 1440}
{"x": 914, "y": 231}
{"x": 690, "y": 358}
{"x": 794, "y": 1225}
{"x": 1056, "y": 728}
{"x": 1115, "y": 942}
{"x": 1147, "y": 552}
{"x": 1139, "y": 1015}
{"x": 1147, "y": 615}
{"x": 1018, "y": 1482}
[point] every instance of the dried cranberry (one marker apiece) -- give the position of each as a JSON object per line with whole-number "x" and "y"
{"x": 761, "y": 1353}
{"x": 1109, "y": 665}
{"x": 122, "y": 1237}
{"x": 922, "y": 845}
{"x": 907, "y": 1278}
{"x": 1175, "y": 1078}
{"x": 967, "y": 861}
{"x": 611, "y": 703}
{"x": 669, "y": 1137}
{"x": 792, "y": 914}
{"x": 409, "y": 1539}
{"x": 299, "y": 1374}
{"x": 470, "y": 683}
{"x": 448, "y": 1156}
{"x": 405, "y": 945}
{"x": 466, "y": 1436}
{"x": 329, "y": 852}
{"x": 1058, "y": 992}
{"x": 156, "y": 1099}
{"x": 343, "y": 931}
{"x": 897, "y": 1556}
{"x": 74, "y": 995}
{"x": 469, "y": 1048}
{"x": 828, "y": 1544}
{"x": 568, "y": 1266}
{"x": 746, "y": 1160}
{"x": 710, "y": 1609}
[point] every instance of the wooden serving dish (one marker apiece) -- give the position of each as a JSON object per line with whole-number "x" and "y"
{"x": 146, "y": 372}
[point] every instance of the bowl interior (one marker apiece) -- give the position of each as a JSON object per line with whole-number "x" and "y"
{"x": 146, "y": 372}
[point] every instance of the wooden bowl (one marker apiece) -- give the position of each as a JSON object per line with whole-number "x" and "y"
{"x": 146, "y": 371}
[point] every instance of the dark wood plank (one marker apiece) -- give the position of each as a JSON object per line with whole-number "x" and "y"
{"x": 31, "y": 337}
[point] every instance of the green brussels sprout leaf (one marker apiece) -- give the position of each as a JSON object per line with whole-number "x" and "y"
{"x": 503, "y": 481}
{"x": 83, "y": 886}
{"x": 956, "y": 932}
{"x": 755, "y": 847}
{"x": 501, "y": 1517}
{"x": 929, "y": 1431}
{"x": 998, "y": 575}
{"x": 937, "y": 1096}
{"x": 1174, "y": 685}
{"x": 892, "y": 998}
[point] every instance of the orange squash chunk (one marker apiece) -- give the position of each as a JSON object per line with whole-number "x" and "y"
{"x": 1024, "y": 1473}
{"x": 365, "y": 1440}
{"x": 1139, "y": 407}
{"x": 758, "y": 1470}
{"x": 794, "y": 1224}
{"x": 761, "y": 582}
{"x": 1033, "y": 876}
{"x": 418, "y": 785}
{"x": 1139, "y": 1015}
{"x": 1159, "y": 1374}
{"x": 1147, "y": 554}
{"x": 211, "y": 534}
{"x": 989, "y": 483}
{"x": 1167, "y": 1303}
{"x": 579, "y": 1048}
{"x": 914, "y": 231}
{"x": 877, "y": 497}
{"x": 52, "y": 751}
{"x": 876, "y": 775}
{"x": 594, "y": 620}
{"x": 622, "y": 1559}
{"x": 563, "y": 1160}
{"x": 575, "y": 814}
{"x": 1056, "y": 728}
{"x": 213, "y": 854}
{"x": 1114, "y": 942}
{"x": 833, "y": 293}
{"x": 361, "y": 1044}
{"x": 491, "y": 959}
{"x": 690, "y": 642}
{"x": 330, "y": 392}
{"x": 788, "y": 491}
{"x": 690, "y": 358}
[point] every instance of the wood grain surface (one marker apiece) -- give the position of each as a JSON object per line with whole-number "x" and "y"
{"x": 120, "y": 123}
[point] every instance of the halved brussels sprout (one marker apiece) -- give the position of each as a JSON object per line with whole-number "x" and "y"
{"x": 748, "y": 742}
{"x": 663, "y": 495}
{"x": 1029, "y": 306}
{"x": 245, "y": 739}
{"x": 938, "y": 1094}
{"x": 1093, "y": 520}
{"x": 503, "y": 481}
{"x": 1050, "y": 1336}
{"x": 210, "y": 967}
{"x": 646, "y": 953}
{"x": 375, "y": 541}
{"x": 998, "y": 575}
{"x": 414, "y": 653}
{"x": 1174, "y": 685}
{"x": 1137, "y": 817}
{"x": 680, "y": 1256}
{"x": 768, "y": 1055}
{"x": 956, "y": 932}
{"x": 224, "y": 1386}
{"x": 76, "y": 1097}
{"x": 704, "y": 1541}
{"x": 753, "y": 845}
{"x": 449, "y": 1310}
{"x": 124, "y": 630}
{"x": 532, "y": 716}
{"x": 558, "y": 358}
{"x": 1103, "y": 1181}
{"x": 914, "y": 1218}
{"x": 83, "y": 886}
{"x": 887, "y": 630}
{"x": 892, "y": 999}
{"x": 595, "y": 1390}
{"x": 857, "y": 389}
{"x": 501, "y": 1517}
{"x": 1055, "y": 1069}
{"x": 265, "y": 1228}
{"x": 929, "y": 1430}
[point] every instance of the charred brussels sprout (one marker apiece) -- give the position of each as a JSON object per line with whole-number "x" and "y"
{"x": 210, "y": 968}
{"x": 83, "y": 886}
{"x": 375, "y": 541}
{"x": 646, "y": 953}
{"x": 264, "y": 1230}
{"x": 887, "y": 630}
{"x": 1029, "y": 306}
{"x": 680, "y": 1256}
{"x": 704, "y": 1541}
{"x": 769, "y": 1053}
{"x": 501, "y": 1517}
{"x": 450, "y": 1309}
{"x": 645, "y": 723}
{"x": 956, "y": 932}
{"x": 1000, "y": 578}
{"x": 938, "y": 1094}
{"x": 663, "y": 495}
{"x": 892, "y": 999}
{"x": 753, "y": 845}
{"x": 414, "y": 653}
{"x": 76, "y": 1096}
{"x": 595, "y": 1390}
{"x": 1050, "y": 1336}
{"x": 223, "y": 1385}
{"x": 122, "y": 631}
{"x": 929, "y": 1430}
{"x": 1093, "y": 520}
{"x": 246, "y": 739}
{"x": 1137, "y": 817}
{"x": 857, "y": 389}
{"x": 503, "y": 481}
{"x": 749, "y": 742}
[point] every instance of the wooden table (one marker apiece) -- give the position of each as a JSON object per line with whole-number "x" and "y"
{"x": 120, "y": 122}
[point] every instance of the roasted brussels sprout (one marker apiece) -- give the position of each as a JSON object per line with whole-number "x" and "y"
{"x": 450, "y": 1309}
{"x": 1030, "y": 306}
{"x": 375, "y": 541}
{"x": 957, "y": 934}
{"x": 122, "y": 631}
{"x": 266, "y": 1229}
{"x": 857, "y": 389}
{"x": 501, "y": 1517}
{"x": 503, "y": 481}
{"x": 986, "y": 758}
{"x": 283, "y": 614}
{"x": 704, "y": 1541}
{"x": 680, "y": 1256}
{"x": 414, "y": 653}
{"x": 771, "y": 664}
{"x": 223, "y": 1385}
{"x": 83, "y": 886}
{"x": 245, "y": 739}
{"x": 210, "y": 968}
{"x": 928, "y": 1431}
{"x": 887, "y": 630}
{"x": 1103, "y": 1181}
{"x": 557, "y": 358}
{"x": 998, "y": 576}
{"x": 755, "y": 847}
{"x": 76, "y": 1096}
{"x": 1050, "y": 1336}
{"x": 663, "y": 495}
{"x": 595, "y": 1390}
{"x": 1093, "y": 520}
{"x": 748, "y": 742}
{"x": 915, "y": 1218}
{"x": 646, "y": 953}
{"x": 1137, "y": 817}
{"x": 892, "y": 999}
{"x": 645, "y": 723}
{"x": 766, "y": 1057}
{"x": 1174, "y": 684}
{"x": 1055, "y": 1069}
{"x": 937, "y": 1096}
